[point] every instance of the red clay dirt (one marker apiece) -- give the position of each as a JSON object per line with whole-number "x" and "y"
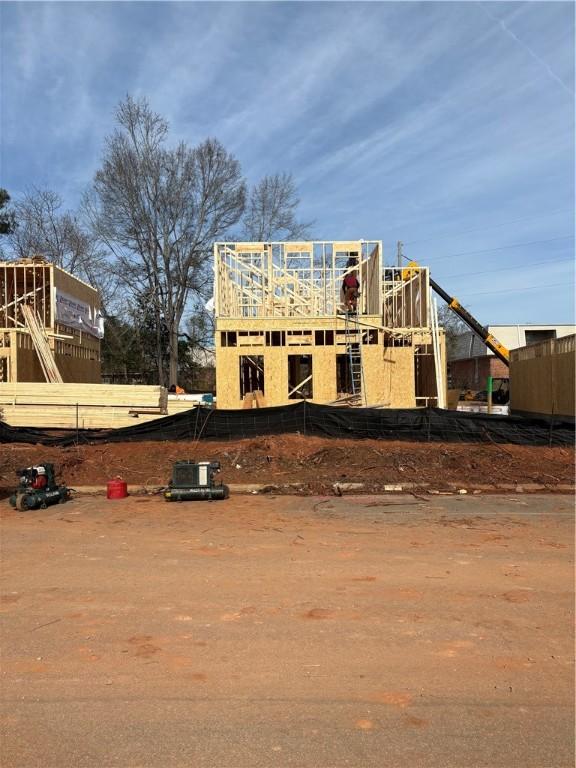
{"x": 289, "y": 632}
{"x": 314, "y": 462}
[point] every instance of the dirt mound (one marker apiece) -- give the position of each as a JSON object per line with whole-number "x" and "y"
{"x": 315, "y": 462}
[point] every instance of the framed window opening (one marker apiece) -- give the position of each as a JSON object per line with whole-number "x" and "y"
{"x": 251, "y": 374}
{"x": 300, "y": 377}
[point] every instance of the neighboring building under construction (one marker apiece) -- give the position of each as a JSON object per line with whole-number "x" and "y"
{"x": 50, "y": 325}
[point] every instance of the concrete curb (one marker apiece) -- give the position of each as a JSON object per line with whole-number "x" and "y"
{"x": 340, "y": 489}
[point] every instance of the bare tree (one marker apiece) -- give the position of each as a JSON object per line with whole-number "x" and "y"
{"x": 453, "y": 326}
{"x": 158, "y": 210}
{"x": 271, "y": 211}
{"x": 45, "y": 229}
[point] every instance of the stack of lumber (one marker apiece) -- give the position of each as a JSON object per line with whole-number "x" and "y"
{"x": 346, "y": 400}
{"x": 254, "y": 399}
{"x": 40, "y": 341}
{"x": 180, "y": 403}
{"x": 86, "y": 406}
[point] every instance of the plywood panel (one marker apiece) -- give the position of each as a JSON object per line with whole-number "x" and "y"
{"x": 77, "y": 370}
{"x": 388, "y": 374}
{"x": 543, "y": 385}
{"x": 390, "y": 377}
{"x": 275, "y": 374}
{"x": 73, "y": 286}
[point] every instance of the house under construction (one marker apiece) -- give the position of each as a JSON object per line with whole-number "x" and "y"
{"x": 50, "y": 325}
{"x": 283, "y": 332}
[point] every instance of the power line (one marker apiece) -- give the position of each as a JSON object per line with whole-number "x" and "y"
{"x": 491, "y": 226}
{"x": 501, "y": 248}
{"x": 516, "y": 266}
{"x": 518, "y": 290}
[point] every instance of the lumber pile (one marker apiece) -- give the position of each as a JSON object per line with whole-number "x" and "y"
{"x": 346, "y": 400}
{"x": 178, "y": 406}
{"x": 86, "y": 406}
{"x": 40, "y": 341}
{"x": 254, "y": 399}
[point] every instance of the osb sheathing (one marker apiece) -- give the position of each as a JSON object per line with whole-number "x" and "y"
{"x": 543, "y": 385}
{"x": 25, "y": 365}
{"x": 275, "y": 374}
{"x": 74, "y": 287}
{"x": 388, "y": 374}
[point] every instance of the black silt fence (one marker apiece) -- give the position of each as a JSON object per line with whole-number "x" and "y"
{"x": 418, "y": 424}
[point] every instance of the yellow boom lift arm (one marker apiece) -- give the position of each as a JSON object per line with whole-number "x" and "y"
{"x": 482, "y": 332}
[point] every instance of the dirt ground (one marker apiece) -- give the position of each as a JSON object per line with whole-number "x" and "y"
{"x": 287, "y": 632}
{"x": 315, "y": 462}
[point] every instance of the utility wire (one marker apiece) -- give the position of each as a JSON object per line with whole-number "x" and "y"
{"x": 516, "y": 266}
{"x": 490, "y": 226}
{"x": 501, "y": 248}
{"x": 518, "y": 290}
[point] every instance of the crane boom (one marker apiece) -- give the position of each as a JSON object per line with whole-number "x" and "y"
{"x": 491, "y": 341}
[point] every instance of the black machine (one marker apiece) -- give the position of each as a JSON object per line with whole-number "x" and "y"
{"x": 38, "y": 488}
{"x": 195, "y": 480}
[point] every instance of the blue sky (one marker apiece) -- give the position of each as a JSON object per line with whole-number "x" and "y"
{"x": 446, "y": 125}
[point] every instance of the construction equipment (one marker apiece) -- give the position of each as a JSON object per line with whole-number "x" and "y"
{"x": 501, "y": 352}
{"x": 195, "y": 480}
{"x": 38, "y": 488}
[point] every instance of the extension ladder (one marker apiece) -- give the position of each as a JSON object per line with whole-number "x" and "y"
{"x": 353, "y": 340}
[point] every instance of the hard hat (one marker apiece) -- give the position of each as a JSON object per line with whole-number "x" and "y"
{"x": 41, "y": 470}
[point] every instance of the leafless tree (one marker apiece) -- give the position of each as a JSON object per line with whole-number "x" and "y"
{"x": 45, "y": 229}
{"x": 271, "y": 211}
{"x": 158, "y": 210}
{"x": 453, "y": 326}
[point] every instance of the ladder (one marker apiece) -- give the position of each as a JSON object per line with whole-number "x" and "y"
{"x": 41, "y": 345}
{"x": 353, "y": 340}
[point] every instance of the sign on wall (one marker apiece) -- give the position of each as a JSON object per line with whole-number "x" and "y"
{"x": 78, "y": 314}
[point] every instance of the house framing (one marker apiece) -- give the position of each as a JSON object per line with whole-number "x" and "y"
{"x": 49, "y": 325}
{"x": 281, "y": 332}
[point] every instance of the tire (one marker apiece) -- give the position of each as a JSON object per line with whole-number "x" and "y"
{"x": 24, "y": 502}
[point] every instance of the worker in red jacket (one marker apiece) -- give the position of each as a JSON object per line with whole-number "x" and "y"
{"x": 351, "y": 288}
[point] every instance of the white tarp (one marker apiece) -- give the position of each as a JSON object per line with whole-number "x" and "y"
{"x": 78, "y": 314}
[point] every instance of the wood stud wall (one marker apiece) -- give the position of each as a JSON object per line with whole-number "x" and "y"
{"x": 261, "y": 280}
